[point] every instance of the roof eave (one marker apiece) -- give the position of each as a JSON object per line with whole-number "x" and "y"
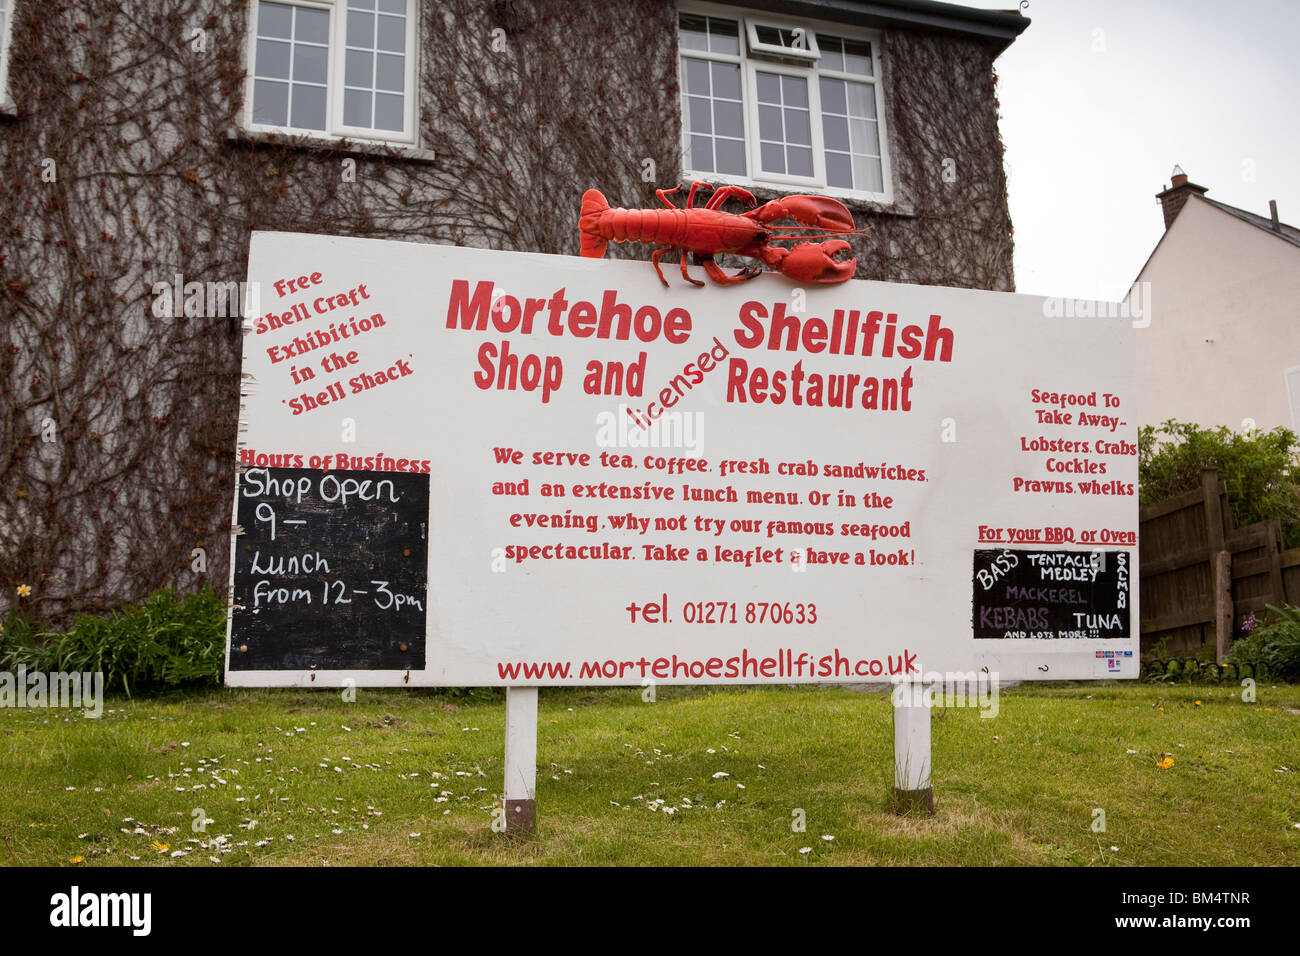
{"x": 997, "y": 26}
{"x": 1286, "y": 232}
{"x": 1214, "y": 204}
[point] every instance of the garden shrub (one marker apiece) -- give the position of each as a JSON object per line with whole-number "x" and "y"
{"x": 165, "y": 642}
{"x": 1259, "y": 469}
{"x": 1275, "y": 646}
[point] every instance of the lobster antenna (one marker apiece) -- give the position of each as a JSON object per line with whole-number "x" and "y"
{"x": 800, "y": 236}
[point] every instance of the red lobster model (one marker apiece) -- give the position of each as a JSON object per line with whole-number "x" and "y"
{"x": 708, "y": 232}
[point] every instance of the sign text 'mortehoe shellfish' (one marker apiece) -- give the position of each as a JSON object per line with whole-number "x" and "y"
{"x": 466, "y": 467}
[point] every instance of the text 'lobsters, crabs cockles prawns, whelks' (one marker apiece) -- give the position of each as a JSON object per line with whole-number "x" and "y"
{"x": 707, "y": 232}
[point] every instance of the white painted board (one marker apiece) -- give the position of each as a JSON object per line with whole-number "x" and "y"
{"x": 1009, "y": 432}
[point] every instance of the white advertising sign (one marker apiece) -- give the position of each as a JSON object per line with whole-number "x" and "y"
{"x": 467, "y": 467}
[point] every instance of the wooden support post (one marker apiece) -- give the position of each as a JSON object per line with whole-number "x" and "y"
{"x": 1220, "y": 565}
{"x": 520, "y": 797}
{"x": 1276, "y": 585}
{"x": 912, "y": 789}
{"x": 1223, "y": 612}
{"x": 1213, "y": 510}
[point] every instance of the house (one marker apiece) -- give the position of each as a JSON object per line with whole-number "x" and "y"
{"x": 1223, "y": 344}
{"x": 142, "y": 142}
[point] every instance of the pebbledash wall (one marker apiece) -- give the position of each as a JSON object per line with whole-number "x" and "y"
{"x": 136, "y": 153}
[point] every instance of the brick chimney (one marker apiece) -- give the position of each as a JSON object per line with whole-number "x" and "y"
{"x": 1175, "y": 196}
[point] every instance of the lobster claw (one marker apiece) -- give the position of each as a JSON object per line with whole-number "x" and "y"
{"x": 815, "y": 262}
{"x": 817, "y": 211}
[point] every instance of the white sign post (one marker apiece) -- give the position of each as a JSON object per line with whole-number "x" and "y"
{"x": 462, "y": 467}
{"x": 912, "y": 757}
{"x": 519, "y": 802}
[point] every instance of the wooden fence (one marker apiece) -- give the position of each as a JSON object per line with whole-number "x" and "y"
{"x": 1201, "y": 576}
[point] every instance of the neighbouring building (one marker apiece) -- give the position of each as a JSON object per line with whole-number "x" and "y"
{"x": 1223, "y": 344}
{"x": 142, "y": 141}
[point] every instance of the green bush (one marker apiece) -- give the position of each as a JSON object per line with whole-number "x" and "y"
{"x": 166, "y": 642}
{"x": 1259, "y": 469}
{"x": 1275, "y": 646}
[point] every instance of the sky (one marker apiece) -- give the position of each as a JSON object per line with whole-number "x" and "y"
{"x": 1101, "y": 98}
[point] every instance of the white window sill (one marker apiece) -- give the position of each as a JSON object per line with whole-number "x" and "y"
{"x": 333, "y": 144}
{"x": 8, "y": 109}
{"x": 859, "y": 202}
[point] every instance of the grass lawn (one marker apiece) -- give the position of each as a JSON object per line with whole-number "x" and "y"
{"x": 701, "y": 776}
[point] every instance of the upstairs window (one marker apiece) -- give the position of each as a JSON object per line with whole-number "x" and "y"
{"x": 334, "y": 67}
{"x": 785, "y": 103}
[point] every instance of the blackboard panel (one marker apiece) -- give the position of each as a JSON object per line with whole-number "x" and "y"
{"x": 330, "y": 571}
{"x": 1061, "y": 595}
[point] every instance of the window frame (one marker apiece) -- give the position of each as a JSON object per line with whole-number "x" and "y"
{"x": 754, "y": 149}
{"x": 335, "y": 129}
{"x": 751, "y": 62}
{"x": 809, "y": 53}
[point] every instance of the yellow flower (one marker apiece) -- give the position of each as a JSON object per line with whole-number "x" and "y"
{"x": 78, "y": 859}
{"x": 24, "y": 590}
{"x": 1165, "y": 763}
{"x": 1197, "y": 703}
